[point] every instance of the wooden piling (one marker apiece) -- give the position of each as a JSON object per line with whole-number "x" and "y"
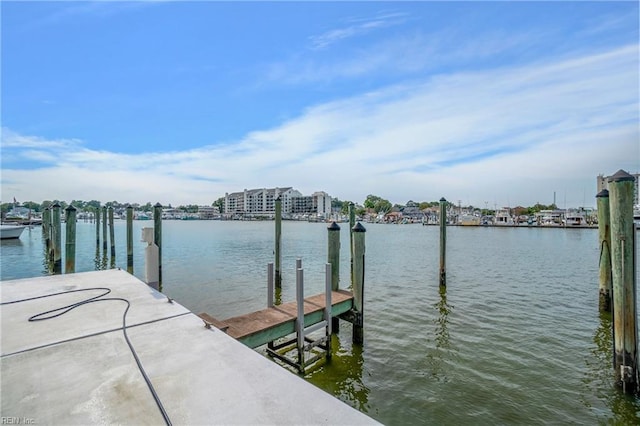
{"x": 333, "y": 258}
{"x": 358, "y": 284}
{"x": 112, "y": 239}
{"x": 129, "y": 239}
{"x": 46, "y": 233}
{"x": 443, "y": 241}
{"x": 104, "y": 229}
{"x": 604, "y": 236}
{"x": 270, "y": 285}
{"x": 278, "y": 254}
{"x": 57, "y": 239}
{"x": 352, "y": 223}
{"x": 97, "y": 219}
{"x": 70, "y": 242}
{"x": 157, "y": 237}
{"x": 625, "y": 325}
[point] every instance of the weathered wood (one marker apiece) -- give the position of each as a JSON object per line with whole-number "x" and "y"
{"x": 130, "y": 239}
{"x": 358, "y": 282}
{"x": 97, "y": 218}
{"x": 352, "y": 223}
{"x": 46, "y": 232}
{"x": 211, "y": 321}
{"x": 443, "y": 241}
{"x": 604, "y": 236}
{"x": 157, "y": 238}
{"x": 70, "y": 241}
{"x": 57, "y": 239}
{"x": 278, "y": 254}
{"x": 625, "y": 323}
{"x": 104, "y": 229}
{"x": 112, "y": 238}
{"x": 333, "y": 254}
{"x": 264, "y": 326}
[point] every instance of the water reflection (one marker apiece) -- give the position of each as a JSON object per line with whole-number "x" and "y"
{"x": 599, "y": 379}
{"x": 436, "y": 356}
{"x": 341, "y": 375}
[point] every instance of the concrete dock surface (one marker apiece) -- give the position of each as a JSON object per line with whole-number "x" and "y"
{"x": 74, "y": 366}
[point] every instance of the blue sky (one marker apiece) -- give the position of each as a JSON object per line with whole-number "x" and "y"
{"x": 486, "y": 103}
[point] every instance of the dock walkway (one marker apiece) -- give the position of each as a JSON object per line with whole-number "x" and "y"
{"x": 128, "y": 356}
{"x": 264, "y": 326}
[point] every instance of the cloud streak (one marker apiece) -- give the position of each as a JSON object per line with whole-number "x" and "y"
{"x": 357, "y": 27}
{"x": 463, "y": 136}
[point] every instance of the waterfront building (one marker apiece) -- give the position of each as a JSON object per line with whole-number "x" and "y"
{"x": 261, "y": 202}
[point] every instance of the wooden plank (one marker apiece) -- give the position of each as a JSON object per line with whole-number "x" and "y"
{"x": 258, "y": 328}
{"x": 214, "y": 322}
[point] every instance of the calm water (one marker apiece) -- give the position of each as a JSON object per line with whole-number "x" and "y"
{"x": 516, "y": 339}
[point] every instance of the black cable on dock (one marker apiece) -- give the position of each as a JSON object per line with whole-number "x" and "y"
{"x": 54, "y": 313}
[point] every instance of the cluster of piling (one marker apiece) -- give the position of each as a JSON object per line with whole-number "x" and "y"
{"x": 617, "y": 275}
{"x": 52, "y": 235}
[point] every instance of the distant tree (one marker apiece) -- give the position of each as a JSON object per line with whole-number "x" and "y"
{"x": 378, "y": 204}
{"x": 219, "y": 203}
{"x": 31, "y": 205}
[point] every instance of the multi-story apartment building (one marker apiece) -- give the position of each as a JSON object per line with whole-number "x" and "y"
{"x": 259, "y": 201}
{"x": 319, "y": 204}
{"x": 603, "y": 183}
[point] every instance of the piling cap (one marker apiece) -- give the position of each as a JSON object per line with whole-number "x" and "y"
{"x": 358, "y": 228}
{"x": 129, "y": 206}
{"x": 56, "y": 204}
{"x": 333, "y": 227}
{"x": 621, "y": 176}
{"x": 443, "y": 200}
{"x": 158, "y": 205}
{"x": 70, "y": 208}
{"x": 603, "y": 194}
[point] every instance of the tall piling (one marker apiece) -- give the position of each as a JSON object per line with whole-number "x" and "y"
{"x": 604, "y": 237}
{"x": 57, "y": 239}
{"x": 104, "y": 229}
{"x": 352, "y": 223}
{"x": 97, "y": 219}
{"x": 112, "y": 240}
{"x": 46, "y": 232}
{"x": 333, "y": 257}
{"x": 70, "y": 241}
{"x": 625, "y": 325}
{"x": 358, "y": 284}
{"x": 129, "y": 239}
{"x": 157, "y": 237}
{"x": 443, "y": 241}
{"x": 278, "y": 254}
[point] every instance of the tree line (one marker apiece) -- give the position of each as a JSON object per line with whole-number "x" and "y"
{"x": 371, "y": 203}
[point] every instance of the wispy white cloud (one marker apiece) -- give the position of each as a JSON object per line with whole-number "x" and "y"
{"x": 356, "y": 27}
{"x": 509, "y": 135}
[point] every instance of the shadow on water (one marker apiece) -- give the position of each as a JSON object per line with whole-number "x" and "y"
{"x": 437, "y": 356}
{"x": 342, "y": 375}
{"x": 599, "y": 380}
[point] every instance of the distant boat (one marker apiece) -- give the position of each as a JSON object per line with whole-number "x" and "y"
{"x": 575, "y": 219}
{"x": 11, "y": 231}
{"x": 469, "y": 220}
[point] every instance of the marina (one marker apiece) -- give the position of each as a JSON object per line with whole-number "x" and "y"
{"x": 516, "y": 338}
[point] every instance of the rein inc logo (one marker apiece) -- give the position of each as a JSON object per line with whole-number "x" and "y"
{"x": 6, "y": 420}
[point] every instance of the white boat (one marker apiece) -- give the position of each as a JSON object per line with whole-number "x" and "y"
{"x": 575, "y": 219}
{"x": 503, "y": 217}
{"x": 11, "y": 231}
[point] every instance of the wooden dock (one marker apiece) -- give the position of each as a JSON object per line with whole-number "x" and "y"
{"x": 264, "y": 326}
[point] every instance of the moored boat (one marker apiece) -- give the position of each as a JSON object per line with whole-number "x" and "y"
{"x": 11, "y": 231}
